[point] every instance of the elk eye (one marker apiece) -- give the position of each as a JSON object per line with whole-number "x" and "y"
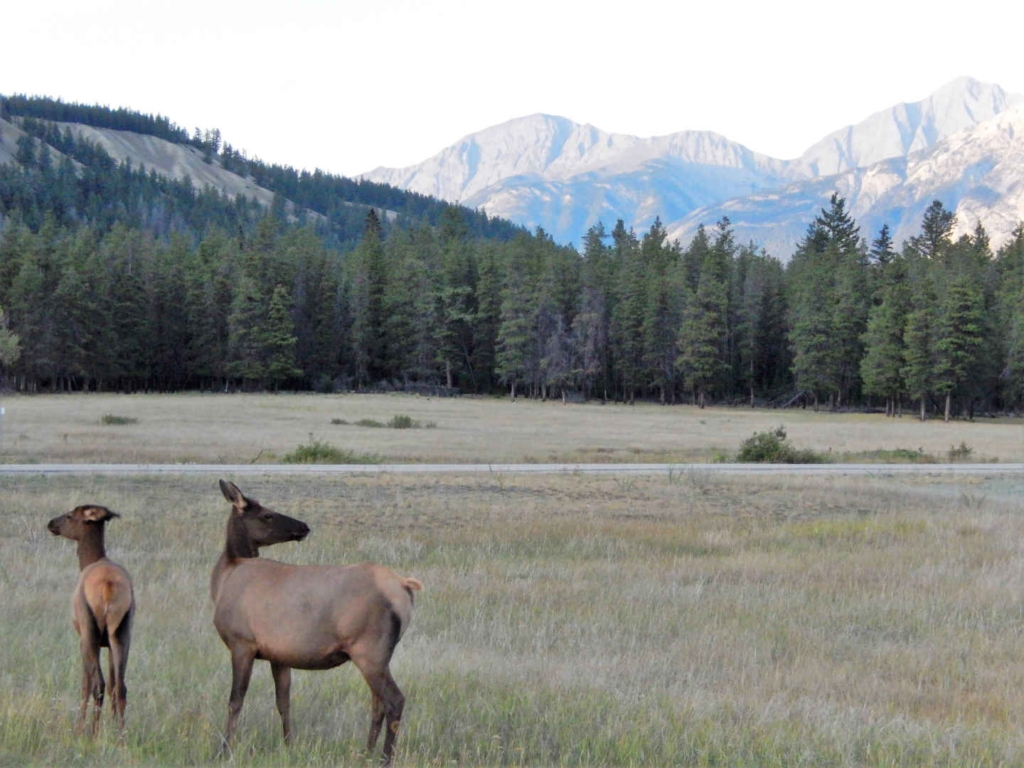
{"x": 267, "y": 516}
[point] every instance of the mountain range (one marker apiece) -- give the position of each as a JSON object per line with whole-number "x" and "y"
{"x": 963, "y": 145}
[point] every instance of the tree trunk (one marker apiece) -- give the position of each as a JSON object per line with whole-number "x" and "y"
{"x": 513, "y": 391}
{"x": 922, "y": 408}
{"x": 949, "y": 403}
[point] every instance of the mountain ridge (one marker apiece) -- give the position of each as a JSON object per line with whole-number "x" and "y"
{"x": 544, "y": 170}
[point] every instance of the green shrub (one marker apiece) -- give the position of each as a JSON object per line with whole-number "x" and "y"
{"x": 771, "y": 447}
{"x": 960, "y": 452}
{"x": 369, "y": 423}
{"x": 110, "y": 419}
{"x": 401, "y": 421}
{"x": 338, "y": 421}
{"x": 317, "y": 452}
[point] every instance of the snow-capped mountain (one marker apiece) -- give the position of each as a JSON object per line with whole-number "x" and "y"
{"x": 905, "y": 128}
{"x": 551, "y": 172}
{"x": 977, "y": 172}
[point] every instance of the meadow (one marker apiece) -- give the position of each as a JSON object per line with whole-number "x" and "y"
{"x": 567, "y": 619}
{"x": 243, "y": 429}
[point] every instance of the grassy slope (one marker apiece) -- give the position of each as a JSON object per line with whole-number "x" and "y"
{"x": 264, "y": 428}
{"x": 572, "y": 620}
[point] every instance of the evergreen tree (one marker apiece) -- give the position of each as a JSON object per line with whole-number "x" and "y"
{"x": 628, "y": 312}
{"x": 919, "y": 336}
{"x": 882, "y": 364}
{"x": 811, "y": 303}
{"x": 959, "y": 335}
{"x": 515, "y": 341}
{"x": 280, "y": 340}
{"x": 703, "y": 333}
{"x": 10, "y": 346}
{"x": 246, "y": 334}
{"x": 936, "y": 229}
{"x": 762, "y": 349}
{"x": 369, "y": 274}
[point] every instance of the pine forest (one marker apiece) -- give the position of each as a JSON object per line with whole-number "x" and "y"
{"x": 115, "y": 278}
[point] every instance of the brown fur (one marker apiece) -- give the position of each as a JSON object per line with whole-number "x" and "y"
{"x": 102, "y": 609}
{"x": 305, "y": 616}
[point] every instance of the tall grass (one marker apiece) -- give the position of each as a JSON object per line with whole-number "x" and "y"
{"x": 566, "y": 620}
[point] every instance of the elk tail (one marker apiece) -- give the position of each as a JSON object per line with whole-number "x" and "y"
{"x": 411, "y": 584}
{"x": 108, "y": 591}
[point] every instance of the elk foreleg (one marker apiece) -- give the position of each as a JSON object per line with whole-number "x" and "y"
{"x": 282, "y": 691}
{"x": 241, "y": 671}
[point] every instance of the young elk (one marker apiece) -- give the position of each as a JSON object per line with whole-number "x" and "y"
{"x": 102, "y": 608}
{"x": 305, "y": 616}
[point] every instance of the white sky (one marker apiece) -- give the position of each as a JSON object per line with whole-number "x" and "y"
{"x": 349, "y": 85}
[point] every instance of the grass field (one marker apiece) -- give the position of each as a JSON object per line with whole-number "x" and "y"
{"x": 567, "y": 620}
{"x": 265, "y": 428}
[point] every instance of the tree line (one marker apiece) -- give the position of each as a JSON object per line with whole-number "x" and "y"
{"x": 938, "y": 324}
{"x": 113, "y": 277}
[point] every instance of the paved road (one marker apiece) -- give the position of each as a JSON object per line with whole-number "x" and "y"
{"x": 235, "y": 470}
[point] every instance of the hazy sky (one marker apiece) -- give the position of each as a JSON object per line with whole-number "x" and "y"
{"x": 348, "y": 86}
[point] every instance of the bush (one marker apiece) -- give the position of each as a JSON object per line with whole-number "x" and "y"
{"x": 369, "y": 423}
{"x": 401, "y": 421}
{"x": 110, "y": 419}
{"x": 317, "y": 452}
{"x": 960, "y": 452}
{"x": 772, "y": 448}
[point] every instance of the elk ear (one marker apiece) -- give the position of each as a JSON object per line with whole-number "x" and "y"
{"x": 95, "y": 514}
{"x": 232, "y": 494}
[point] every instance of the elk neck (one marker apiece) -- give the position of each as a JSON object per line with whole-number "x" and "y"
{"x": 238, "y": 545}
{"x": 90, "y": 546}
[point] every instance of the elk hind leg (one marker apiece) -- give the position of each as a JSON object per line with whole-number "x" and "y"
{"x": 388, "y": 700}
{"x": 92, "y": 679}
{"x": 120, "y": 641}
{"x": 376, "y": 721}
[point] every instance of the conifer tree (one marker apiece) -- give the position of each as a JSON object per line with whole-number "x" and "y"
{"x": 702, "y": 334}
{"x": 882, "y": 364}
{"x": 959, "y": 336}
{"x": 10, "y": 346}
{"x": 246, "y": 333}
{"x": 516, "y": 344}
{"x": 280, "y": 340}
{"x": 368, "y": 282}
{"x": 628, "y": 312}
{"x": 919, "y": 334}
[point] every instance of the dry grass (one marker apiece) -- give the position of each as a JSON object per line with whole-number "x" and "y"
{"x": 265, "y": 428}
{"x": 570, "y": 620}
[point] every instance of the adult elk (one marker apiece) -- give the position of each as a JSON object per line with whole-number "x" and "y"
{"x": 305, "y": 616}
{"x": 102, "y": 608}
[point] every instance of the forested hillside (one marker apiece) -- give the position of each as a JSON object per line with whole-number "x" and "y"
{"x": 115, "y": 278}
